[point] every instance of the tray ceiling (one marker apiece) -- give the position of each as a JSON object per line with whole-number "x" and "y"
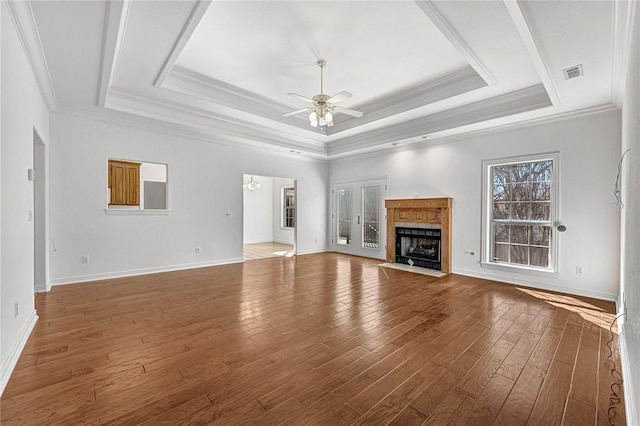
{"x": 418, "y": 69}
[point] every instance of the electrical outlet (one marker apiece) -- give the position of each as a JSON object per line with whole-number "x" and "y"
{"x": 15, "y": 309}
{"x": 84, "y": 259}
{"x": 578, "y": 270}
{"x": 197, "y": 250}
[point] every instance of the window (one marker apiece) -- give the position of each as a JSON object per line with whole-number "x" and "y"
{"x": 520, "y": 207}
{"x": 136, "y": 186}
{"x": 288, "y": 207}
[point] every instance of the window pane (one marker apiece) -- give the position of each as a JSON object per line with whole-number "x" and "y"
{"x": 501, "y": 210}
{"x": 501, "y": 175}
{"x": 540, "y": 235}
{"x": 520, "y": 172}
{"x": 501, "y": 193}
{"x": 521, "y": 192}
{"x": 540, "y": 211}
{"x": 520, "y": 211}
{"x": 541, "y": 191}
{"x": 501, "y": 233}
{"x": 540, "y": 256}
{"x": 519, "y": 234}
{"x": 520, "y": 255}
{"x": 344, "y": 216}
{"x": 501, "y": 252}
{"x": 371, "y": 216}
{"x": 541, "y": 171}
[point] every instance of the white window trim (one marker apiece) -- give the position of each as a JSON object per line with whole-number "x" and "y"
{"x": 485, "y": 251}
{"x": 137, "y": 212}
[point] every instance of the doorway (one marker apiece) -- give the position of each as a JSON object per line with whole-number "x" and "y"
{"x": 358, "y": 217}
{"x": 39, "y": 215}
{"x": 269, "y": 217}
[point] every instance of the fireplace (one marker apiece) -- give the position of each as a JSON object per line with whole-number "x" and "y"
{"x": 418, "y": 247}
{"x": 419, "y": 233}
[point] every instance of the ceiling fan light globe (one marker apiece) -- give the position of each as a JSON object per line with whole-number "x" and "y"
{"x": 328, "y": 117}
{"x": 314, "y": 123}
{"x": 313, "y": 116}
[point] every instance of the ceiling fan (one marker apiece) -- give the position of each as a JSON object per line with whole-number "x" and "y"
{"x": 322, "y": 107}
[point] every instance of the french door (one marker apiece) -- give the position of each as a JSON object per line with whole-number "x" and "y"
{"x": 358, "y": 218}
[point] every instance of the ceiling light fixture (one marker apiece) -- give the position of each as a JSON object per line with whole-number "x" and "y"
{"x": 321, "y": 111}
{"x": 251, "y": 184}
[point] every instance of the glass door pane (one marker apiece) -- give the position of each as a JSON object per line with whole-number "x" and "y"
{"x": 344, "y": 215}
{"x": 370, "y": 217}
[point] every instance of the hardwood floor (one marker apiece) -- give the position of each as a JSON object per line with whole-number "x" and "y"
{"x": 321, "y": 339}
{"x": 264, "y": 250}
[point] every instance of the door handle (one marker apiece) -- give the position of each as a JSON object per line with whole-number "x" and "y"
{"x": 358, "y": 219}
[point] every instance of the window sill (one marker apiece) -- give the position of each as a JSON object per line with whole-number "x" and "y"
{"x": 137, "y": 212}
{"x": 520, "y": 269}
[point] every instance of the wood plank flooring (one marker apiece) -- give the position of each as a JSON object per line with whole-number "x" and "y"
{"x": 322, "y": 339}
{"x": 264, "y": 250}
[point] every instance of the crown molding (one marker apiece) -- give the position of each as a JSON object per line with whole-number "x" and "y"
{"x": 447, "y": 86}
{"x": 190, "y": 26}
{"x": 115, "y": 24}
{"x": 624, "y": 16}
{"x": 463, "y": 134}
{"x": 178, "y": 113}
{"x": 447, "y": 30}
{"x": 522, "y": 100}
{"x": 191, "y": 83}
{"x": 524, "y": 29}
{"x": 121, "y": 118}
{"x": 25, "y": 24}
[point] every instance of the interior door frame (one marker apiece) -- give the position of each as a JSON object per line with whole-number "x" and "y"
{"x": 355, "y": 249}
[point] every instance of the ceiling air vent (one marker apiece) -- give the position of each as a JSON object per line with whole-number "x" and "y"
{"x": 573, "y": 72}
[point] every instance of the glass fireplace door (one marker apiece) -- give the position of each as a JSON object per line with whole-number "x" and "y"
{"x": 358, "y": 219}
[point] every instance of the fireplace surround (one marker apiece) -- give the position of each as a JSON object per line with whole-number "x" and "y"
{"x": 419, "y": 232}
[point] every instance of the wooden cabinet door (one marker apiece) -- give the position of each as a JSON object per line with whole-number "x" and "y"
{"x": 132, "y": 181}
{"x": 117, "y": 183}
{"x": 124, "y": 182}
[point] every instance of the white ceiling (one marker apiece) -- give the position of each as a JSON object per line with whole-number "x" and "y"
{"x": 222, "y": 69}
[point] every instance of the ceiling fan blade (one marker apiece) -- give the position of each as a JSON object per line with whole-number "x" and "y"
{"x": 351, "y": 112}
{"x": 304, "y": 98}
{"x": 339, "y": 97}
{"x": 298, "y": 111}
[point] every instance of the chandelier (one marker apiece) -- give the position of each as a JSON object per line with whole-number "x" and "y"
{"x": 251, "y": 184}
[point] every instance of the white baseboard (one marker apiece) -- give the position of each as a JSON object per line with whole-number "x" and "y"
{"x": 16, "y": 350}
{"x": 145, "y": 271}
{"x": 539, "y": 286}
{"x": 311, "y": 251}
{"x": 631, "y": 403}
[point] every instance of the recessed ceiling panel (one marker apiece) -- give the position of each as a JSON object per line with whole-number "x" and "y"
{"x": 270, "y": 48}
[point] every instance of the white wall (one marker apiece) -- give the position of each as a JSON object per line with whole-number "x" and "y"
{"x": 258, "y": 211}
{"x": 631, "y": 227}
{"x": 589, "y": 149}
{"x": 205, "y": 182}
{"x": 280, "y": 234}
{"x": 23, "y": 109}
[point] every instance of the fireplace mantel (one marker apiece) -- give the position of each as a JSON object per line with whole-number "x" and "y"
{"x": 421, "y": 211}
